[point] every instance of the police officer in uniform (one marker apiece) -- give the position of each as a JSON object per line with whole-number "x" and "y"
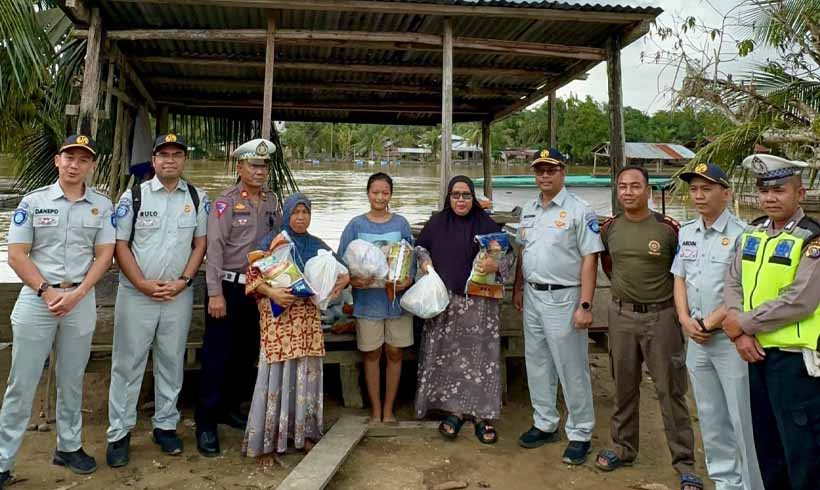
{"x": 720, "y": 378}
{"x": 241, "y": 217}
{"x": 773, "y": 296}
{"x": 61, "y": 242}
{"x": 555, "y": 283}
{"x": 161, "y": 227}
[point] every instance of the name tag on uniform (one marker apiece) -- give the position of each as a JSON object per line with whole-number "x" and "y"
{"x": 688, "y": 250}
{"x": 527, "y": 222}
{"x": 750, "y": 247}
{"x": 46, "y": 220}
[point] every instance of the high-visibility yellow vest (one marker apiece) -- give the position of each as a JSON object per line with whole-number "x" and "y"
{"x": 769, "y": 264}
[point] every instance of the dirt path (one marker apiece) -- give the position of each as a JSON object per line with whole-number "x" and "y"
{"x": 417, "y": 459}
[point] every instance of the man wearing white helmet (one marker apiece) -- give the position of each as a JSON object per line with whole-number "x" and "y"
{"x": 241, "y": 217}
{"x": 773, "y": 298}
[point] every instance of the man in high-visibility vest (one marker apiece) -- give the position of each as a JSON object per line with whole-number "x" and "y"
{"x": 772, "y": 291}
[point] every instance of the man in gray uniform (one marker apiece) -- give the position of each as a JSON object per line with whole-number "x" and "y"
{"x": 555, "y": 283}
{"x": 720, "y": 378}
{"x": 61, "y": 241}
{"x": 242, "y": 216}
{"x": 161, "y": 227}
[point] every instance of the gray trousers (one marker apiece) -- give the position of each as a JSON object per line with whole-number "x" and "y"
{"x": 34, "y": 331}
{"x": 720, "y": 380}
{"x": 554, "y": 350}
{"x": 142, "y": 325}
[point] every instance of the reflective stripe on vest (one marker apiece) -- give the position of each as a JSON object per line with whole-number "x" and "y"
{"x": 769, "y": 264}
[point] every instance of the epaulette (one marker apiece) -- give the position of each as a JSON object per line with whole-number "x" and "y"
{"x": 671, "y": 223}
{"x": 690, "y": 222}
{"x": 759, "y": 220}
{"x": 101, "y": 194}
{"x": 40, "y": 189}
{"x": 812, "y": 226}
{"x": 578, "y": 198}
{"x": 607, "y": 223}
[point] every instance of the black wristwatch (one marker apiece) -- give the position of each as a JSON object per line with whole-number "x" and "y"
{"x": 188, "y": 281}
{"x": 42, "y": 289}
{"x": 586, "y": 306}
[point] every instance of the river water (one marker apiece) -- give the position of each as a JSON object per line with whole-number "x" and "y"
{"x": 338, "y": 193}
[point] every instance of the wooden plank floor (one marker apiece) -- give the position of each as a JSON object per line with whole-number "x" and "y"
{"x": 318, "y": 467}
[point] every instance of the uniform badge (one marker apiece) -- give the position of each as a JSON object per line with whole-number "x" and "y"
{"x": 171, "y": 138}
{"x": 562, "y": 214}
{"x": 750, "y": 247}
{"x": 654, "y": 247}
{"x": 95, "y": 211}
{"x": 545, "y": 153}
{"x": 813, "y": 251}
{"x": 724, "y": 241}
{"x": 244, "y": 194}
{"x": 221, "y": 206}
{"x": 187, "y": 208}
{"x": 560, "y": 224}
{"x": 82, "y": 140}
{"x": 239, "y": 206}
{"x": 20, "y": 217}
{"x": 207, "y": 207}
{"x": 783, "y": 248}
{"x": 262, "y": 149}
{"x": 114, "y": 220}
{"x": 122, "y": 211}
{"x": 701, "y": 168}
{"x": 242, "y": 221}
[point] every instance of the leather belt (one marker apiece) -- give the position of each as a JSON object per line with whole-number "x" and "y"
{"x": 644, "y": 307}
{"x": 234, "y": 277}
{"x": 549, "y": 287}
{"x": 65, "y": 285}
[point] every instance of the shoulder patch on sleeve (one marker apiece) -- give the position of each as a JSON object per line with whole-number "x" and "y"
{"x": 20, "y": 217}
{"x": 220, "y": 206}
{"x": 813, "y": 249}
{"x": 591, "y": 220}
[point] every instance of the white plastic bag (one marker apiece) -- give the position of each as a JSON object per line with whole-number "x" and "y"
{"x": 427, "y": 297}
{"x": 322, "y": 272}
{"x": 366, "y": 260}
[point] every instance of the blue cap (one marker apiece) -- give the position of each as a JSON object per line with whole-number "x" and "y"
{"x": 79, "y": 141}
{"x": 550, "y": 156}
{"x": 169, "y": 139}
{"x": 708, "y": 171}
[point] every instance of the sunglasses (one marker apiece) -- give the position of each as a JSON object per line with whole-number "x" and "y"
{"x": 466, "y": 196}
{"x": 548, "y": 170}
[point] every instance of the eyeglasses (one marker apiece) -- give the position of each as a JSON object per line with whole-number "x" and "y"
{"x": 548, "y": 170}
{"x": 178, "y": 156}
{"x": 466, "y": 196}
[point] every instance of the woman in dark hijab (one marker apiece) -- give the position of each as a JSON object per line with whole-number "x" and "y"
{"x": 460, "y": 353}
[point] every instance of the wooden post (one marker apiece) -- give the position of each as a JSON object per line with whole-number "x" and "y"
{"x": 552, "y": 121}
{"x": 446, "y": 110}
{"x": 162, "y": 119}
{"x": 89, "y": 96}
{"x": 118, "y": 151}
{"x": 267, "y": 107}
{"x": 617, "y": 142}
{"x": 486, "y": 153}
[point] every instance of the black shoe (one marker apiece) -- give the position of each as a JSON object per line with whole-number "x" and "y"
{"x": 5, "y": 477}
{"x": 235, "y": 420}
{"x": 536, "y": 437}
{"x": 207, "y": 442}
{"x": 168, "y": 440}
{"x": 76, "y": 461}
{"x": 116, "y": 454}
{"x": 576, "y": 452}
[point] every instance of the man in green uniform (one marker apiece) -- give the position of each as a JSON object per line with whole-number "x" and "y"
{"x": 640, "y": 246}
{"x": 772, "y": 292}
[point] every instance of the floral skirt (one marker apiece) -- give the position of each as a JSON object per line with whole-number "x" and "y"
{"x": 287, "y": 405}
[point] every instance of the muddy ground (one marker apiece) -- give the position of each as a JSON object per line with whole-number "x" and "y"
{"x": 416, "y": 459}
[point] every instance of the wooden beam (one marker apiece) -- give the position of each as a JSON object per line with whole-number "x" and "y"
{"x": 340, "y": 39}
{"x": 118, "y": 151}
{"x": 162, "y": 119}
{"x": 319, "y": 105}
{"x": 90, "y": 93}
{"x": 270, "y": 53}
{"x": 445, "y": 169}
{"x": 617, "y": 142}
{"x": 357, "y": 68}
{"x": 109, "y": 85}
{"x": 316, "y": 469}
{"x": 76, "y": 11}
{"x": 552, "y": 121}
{"x": 134, "y": 78}
{"x": 233, "y": 83}
{"x": 415, "y": 8}
{"x": 487, "y": 158}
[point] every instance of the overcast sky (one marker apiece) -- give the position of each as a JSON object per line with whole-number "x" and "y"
{"x": 643, "y": 82}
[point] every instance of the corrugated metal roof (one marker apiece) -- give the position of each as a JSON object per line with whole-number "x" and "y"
{"x": 476, "y": 95}
{"x": 650, "y": 151}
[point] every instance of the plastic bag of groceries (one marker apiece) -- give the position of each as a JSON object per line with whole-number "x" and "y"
{"x": 399, "y": 260}
{"x": 280, "y": 271}
{"x": 486, "y": 284}
{"x": 427, "y": 297}
{"x": 322, "y": 272}
{"x": 366, "y": 261}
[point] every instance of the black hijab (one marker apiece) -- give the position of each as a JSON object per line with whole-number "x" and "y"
{"x": 450, "y": 238}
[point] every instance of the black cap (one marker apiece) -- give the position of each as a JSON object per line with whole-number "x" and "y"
{"x": 708, "y": 171}
{"x": 548, "y": 156}
{"x": 170, "y": 139}
{"x": 79, "y": 141}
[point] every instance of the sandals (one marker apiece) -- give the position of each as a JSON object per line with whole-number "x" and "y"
{"x": 485, "y": 432}
{"x": 691, "y": 481}
{"x": 453, "y": 423}
{"x": 613, "y": 462}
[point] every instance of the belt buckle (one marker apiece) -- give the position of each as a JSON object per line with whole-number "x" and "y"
{"x": 65, "y": 285}
{"x": 640, "y": 308}
{"x": 229, "y": 276}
